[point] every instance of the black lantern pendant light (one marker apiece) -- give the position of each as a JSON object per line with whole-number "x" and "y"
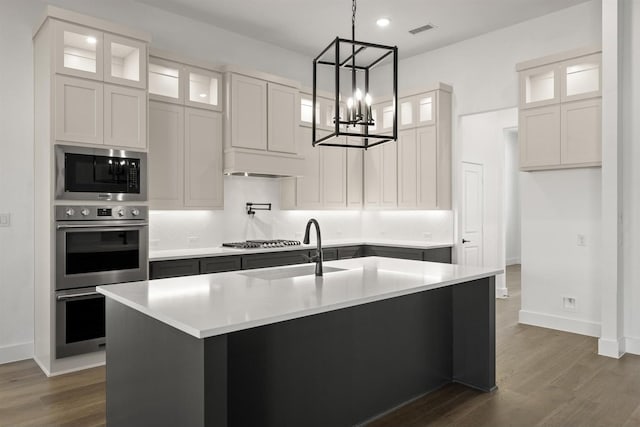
{"x": 347, "y": 65}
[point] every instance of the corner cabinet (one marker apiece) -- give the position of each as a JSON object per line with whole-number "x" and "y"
{"x": 261, "y": 124}
{"x": 560, "y": 111}
{"x": 415, "y": 171}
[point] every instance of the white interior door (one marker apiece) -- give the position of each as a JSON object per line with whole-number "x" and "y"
{"x": 472, "y": 214}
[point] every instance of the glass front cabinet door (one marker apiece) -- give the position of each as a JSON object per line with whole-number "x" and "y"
{"x": 125, "y": 61}
{"x": 581, "y": 78}
{"x": 203, "y": 88}
{"x": 539, "y": 86}
{"x": 165, "y": 81}
{"x": 78, "y": 51}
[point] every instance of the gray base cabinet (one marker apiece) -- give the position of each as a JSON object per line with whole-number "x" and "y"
{"x": 187, "y": 267}
{"x": 338, "y": 368}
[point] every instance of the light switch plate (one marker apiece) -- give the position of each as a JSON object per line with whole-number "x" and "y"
{"x": 5, "y": 219}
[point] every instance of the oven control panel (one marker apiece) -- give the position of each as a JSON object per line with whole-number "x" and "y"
{"x": 102, "y": 213}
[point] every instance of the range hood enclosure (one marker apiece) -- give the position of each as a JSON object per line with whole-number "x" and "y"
{"x": 263, "y": 164}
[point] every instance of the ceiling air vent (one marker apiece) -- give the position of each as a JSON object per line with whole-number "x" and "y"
{"x": 422, "y": 29}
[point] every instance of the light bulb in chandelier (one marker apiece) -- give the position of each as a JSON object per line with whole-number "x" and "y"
{"x": 369, "y": 115}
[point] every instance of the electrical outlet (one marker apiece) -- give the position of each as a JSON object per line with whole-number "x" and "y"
{"x": 383, "y": 232}
{"x": 193, "y": 240}
{"x": 299, "y": 235}
{"x": 569, "y": 303}
{"x": 154, "y": 243}
{"x": 5, "y": 219}
{"x": 582, "y": 240}
{"x": 427, "y": 236}
{"x": 339, "y": 233}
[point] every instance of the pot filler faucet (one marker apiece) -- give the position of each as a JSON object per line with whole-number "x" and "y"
{"x": 317, "y": 258}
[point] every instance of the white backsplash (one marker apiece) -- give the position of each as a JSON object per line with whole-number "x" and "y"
{"x": 203, "y": 229}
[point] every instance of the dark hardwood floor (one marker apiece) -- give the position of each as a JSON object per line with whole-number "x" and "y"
{"x": 545, "y": 378}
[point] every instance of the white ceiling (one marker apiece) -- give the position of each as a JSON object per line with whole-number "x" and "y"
{"x": 307, "y": 26}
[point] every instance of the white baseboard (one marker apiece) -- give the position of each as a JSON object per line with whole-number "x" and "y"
{"x": 13, "y": 353}
{"x": 513, "y": 261}
{"x": 632, "y": 345}
{"x": 560, "y": 323}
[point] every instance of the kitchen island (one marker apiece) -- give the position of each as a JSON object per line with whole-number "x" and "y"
{"x": 280, "y": 346}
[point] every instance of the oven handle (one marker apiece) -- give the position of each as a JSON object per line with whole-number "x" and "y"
{"x": 120, "y": 224}
{"x": 78, "y": 295}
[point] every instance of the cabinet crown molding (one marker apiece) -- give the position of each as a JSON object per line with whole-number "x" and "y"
{"x": 558, "y": 57}
{"x": 89, "y": 21}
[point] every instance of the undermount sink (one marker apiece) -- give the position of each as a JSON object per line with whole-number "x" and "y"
{"x": 288, "y": 272}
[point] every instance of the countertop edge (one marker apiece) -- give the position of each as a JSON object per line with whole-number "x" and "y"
{"x": 207, "y": 333}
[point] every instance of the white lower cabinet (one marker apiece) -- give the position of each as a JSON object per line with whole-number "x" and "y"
{"x": 185, "y": 158}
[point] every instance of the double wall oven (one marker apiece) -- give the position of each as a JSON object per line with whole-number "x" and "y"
{"x": 95, "y": 244}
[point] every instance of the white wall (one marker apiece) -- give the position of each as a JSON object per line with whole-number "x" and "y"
{"x": 512, "y": 197}
{"x": 553, "y": 264}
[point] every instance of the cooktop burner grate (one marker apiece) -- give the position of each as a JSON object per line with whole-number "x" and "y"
{"x": 259, "y": 244}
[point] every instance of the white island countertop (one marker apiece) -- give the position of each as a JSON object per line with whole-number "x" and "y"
{"x": 216, "y": 304}
{"x": 169, "y": 254}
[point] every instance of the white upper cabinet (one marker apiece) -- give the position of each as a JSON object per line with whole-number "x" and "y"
{"x": 355, "y": 175}
{"x": 563, "y": 129}
{"x": 539, "y": 86}
{"x": 204, "y": 180}
{"x": 78, "y": 110}
{"x": 282, "y": 127}
{"x": 413, "y": 111}
{"x": 581, "y": 78}
{"x": 203, "y": 88}
{"x": 78, "y": 51}
{"x": 125, "y": 117}
{"x": 125, "y": 61}
{"x": 165, "y": 80}
{"x": 248, "y": 112}
{"x": 426, "y": 111}
{"x": 306, "y": 111}
{"x": 92, "y": 54}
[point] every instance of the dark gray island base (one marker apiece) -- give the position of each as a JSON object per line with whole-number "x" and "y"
{"x": 336, "y": 368}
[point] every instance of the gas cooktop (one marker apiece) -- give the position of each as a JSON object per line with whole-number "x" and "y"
{"x": 259, "y": 244}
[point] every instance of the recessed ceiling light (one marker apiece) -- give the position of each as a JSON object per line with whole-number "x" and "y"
{"x": 383, "y": 22}
{"x": 92, "y": 40}
{"x": 203, "y": 95}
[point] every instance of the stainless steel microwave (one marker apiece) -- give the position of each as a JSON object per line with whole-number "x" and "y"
{"x": 100, "y": 174}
